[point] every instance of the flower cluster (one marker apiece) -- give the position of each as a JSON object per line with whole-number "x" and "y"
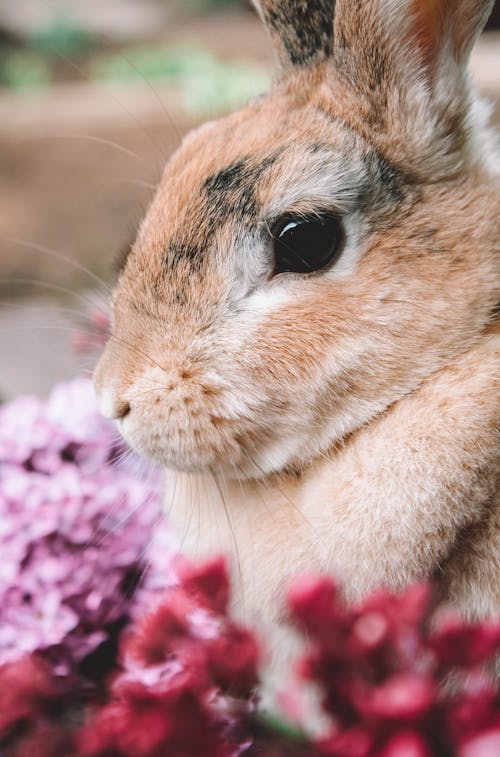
{"x": 74, "y": 527}
{"x": 185, "y": 684}
{"x": 188, "y": 673}
{"x": 396, "y": 681}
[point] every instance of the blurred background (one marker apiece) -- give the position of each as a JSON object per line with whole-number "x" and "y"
{"x": 94, "y": 96}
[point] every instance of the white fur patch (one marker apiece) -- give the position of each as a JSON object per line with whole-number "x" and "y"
{"x": 106, "y": 402}
{"x": 323, "y": 178}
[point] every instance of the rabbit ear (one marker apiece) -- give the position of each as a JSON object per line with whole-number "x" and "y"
{"x": 382, "y": 43}
{"x": 449, "y": 27}
{"x": 301, "y": 30}
{"x": 407, "y": 59}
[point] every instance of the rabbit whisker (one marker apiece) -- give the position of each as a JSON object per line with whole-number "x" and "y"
{"x": 72, "y": 64}
{"x": 48, "y": 285}
{"x": 232, "y": 531}
{"x": 86, "y": 137}
{"x": 133, "y": 348}
{"x": 155, "y": 92}
{"x": 58, "y": 256}
{"x": 250, "y": 529}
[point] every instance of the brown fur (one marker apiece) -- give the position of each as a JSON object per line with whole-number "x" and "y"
{"x": 359, "y": 405}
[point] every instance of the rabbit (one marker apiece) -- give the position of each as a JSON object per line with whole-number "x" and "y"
{"x": 305, "y": 332}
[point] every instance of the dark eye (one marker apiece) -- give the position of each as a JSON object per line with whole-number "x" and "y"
{"x": 304, "y": 245}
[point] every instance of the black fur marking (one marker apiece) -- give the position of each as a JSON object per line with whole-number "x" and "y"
{"x": 305, "y": 29}
{"x": 189, "y": 252}
{"x": 231, "y": 191}
{"x": 387, "y": 183}
{"x": 319, "y": 147}
{"x": 495, "y": 312}
{"x": 229, "y": 178}
{"x": 392, "y": 179}
{"x": 227, "y": 194}
{"x": 388, "y": 194}
{"x": 367, "y": 54}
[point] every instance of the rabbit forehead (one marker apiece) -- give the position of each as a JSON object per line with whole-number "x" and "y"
{"x": 235, "y": 153}
{"x": 248, "y": 170}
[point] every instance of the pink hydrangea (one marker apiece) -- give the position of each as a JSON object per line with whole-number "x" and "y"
{"x": 75, "y": 526}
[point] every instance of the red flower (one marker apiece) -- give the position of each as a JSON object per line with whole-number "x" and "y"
{"x": 45, "y": 739}
{"x": 404, "y": 697}
{"x": 312, "y": 602}
{"x": 405, "y": 744}
{"x": 26, "y": 691}
{"x": 144, "y": 724}
{"x": 485, "y": 744}
{"x": 457, "y": 643}
{"x": 159, "y": 632}
{"x": 233, "y": 659}
{"x": 354, "y": 742}
{"x": 472, "y": 712}
{"x": 32, "y": 710}
{"x": 188, "y": 675}
{"x": 208, "y": 583}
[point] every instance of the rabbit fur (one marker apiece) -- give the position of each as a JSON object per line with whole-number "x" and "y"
{"x": 346, "y": 420}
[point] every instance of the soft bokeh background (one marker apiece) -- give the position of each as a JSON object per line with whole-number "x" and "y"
{"x": 94, "y": 96}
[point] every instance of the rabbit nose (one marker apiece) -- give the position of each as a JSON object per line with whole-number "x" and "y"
{"x": 122, "y": 410}
{"x": 112, "y": 406}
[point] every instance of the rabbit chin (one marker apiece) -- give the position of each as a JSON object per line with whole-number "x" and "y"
{"x": 224, "y": 455}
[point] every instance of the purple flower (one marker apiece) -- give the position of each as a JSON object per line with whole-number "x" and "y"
{"x": 76, "y": 527}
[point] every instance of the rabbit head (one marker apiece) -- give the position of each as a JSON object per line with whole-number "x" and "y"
{"x": 312, "y": 258}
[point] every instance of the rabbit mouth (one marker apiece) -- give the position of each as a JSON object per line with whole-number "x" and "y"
{"x": 193, "y": 441}
{"x": 181, "y": 419}
{"x": 195, "y": 420}
{"x": 185, "y": 442}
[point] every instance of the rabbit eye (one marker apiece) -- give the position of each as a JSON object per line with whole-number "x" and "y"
{"x": 305, "y": 245}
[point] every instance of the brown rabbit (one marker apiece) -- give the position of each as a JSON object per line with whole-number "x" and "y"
{"x": 306, "y": 326}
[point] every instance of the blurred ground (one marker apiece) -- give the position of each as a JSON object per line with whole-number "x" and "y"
{"x": 78, "y": 162}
